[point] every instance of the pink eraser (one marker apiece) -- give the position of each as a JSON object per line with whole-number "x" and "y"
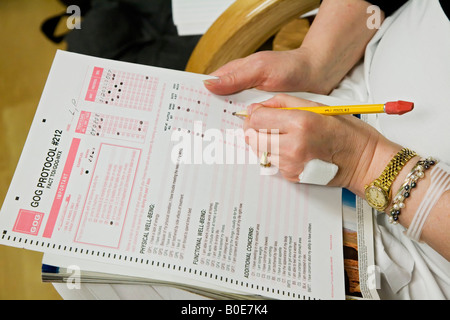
{"x": 398, "y": 107}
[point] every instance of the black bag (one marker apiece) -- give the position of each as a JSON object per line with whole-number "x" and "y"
{"x": 130, "y": 30}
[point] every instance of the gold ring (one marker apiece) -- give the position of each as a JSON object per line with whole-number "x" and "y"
{"x": 264, "y": 161}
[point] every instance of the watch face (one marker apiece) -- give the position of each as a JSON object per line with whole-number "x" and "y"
{"x": 376, "y": 197}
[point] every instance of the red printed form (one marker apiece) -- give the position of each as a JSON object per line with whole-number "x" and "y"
{"x": 141, "y": 167}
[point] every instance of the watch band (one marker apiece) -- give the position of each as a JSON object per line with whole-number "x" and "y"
{"x": 394, "y": 166}
{"x": 378, "y": 193}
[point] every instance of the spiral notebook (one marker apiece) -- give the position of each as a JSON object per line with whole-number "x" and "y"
{"x": 141, "y": 167}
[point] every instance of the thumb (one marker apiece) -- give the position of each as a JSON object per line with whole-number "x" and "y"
{"x": 232, "y": 78}
{"x": 225, "y": 84}
{"x": 229, "y": 83}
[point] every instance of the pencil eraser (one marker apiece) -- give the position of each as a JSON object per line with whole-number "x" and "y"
{"x": 398, "y": 107}
{"x": 318, "y": 172}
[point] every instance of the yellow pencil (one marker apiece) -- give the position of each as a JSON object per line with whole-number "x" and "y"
{"x": 393, "y": 107}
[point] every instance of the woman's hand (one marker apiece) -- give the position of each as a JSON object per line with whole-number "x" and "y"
{"x": 360, "y": 152}
{"x": 301, "y": 136}
{"x": 266, "y": 70}
{"x": 333, "y": 45}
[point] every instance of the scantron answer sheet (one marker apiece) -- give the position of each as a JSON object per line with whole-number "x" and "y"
{"x": 140, "y": 166}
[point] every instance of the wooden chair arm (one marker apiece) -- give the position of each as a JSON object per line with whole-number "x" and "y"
{"x": 242, "y": 29}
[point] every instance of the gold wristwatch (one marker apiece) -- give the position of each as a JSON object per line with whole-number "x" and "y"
{"x": 378, "y": 193}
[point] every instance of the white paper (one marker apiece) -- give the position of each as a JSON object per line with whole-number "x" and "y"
{"x": 194, "y": 17}
{"x": 101, "y": 178}
{"x": 361, "y": 272}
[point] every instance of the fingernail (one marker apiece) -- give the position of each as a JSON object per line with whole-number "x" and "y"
{"x": 250, "y": 109}
{"x": 211, "y": 82}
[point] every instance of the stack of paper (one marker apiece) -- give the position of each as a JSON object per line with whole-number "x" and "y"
{"x": 194, "y": 17}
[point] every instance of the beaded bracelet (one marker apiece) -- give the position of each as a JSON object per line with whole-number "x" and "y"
{"x": 410, "y": 183}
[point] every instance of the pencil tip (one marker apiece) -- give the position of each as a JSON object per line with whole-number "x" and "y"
{"x": 234, "y": 113}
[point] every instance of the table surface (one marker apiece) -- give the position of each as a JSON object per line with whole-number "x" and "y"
{"x": 24, "y": 69}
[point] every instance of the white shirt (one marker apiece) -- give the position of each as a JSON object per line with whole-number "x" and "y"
{"x": 409, "y": 59}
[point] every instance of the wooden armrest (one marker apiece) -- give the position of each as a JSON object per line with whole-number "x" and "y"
{"x": 242, "y": 29}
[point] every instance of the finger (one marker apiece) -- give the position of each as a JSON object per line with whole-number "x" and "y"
{"x": 289, "y": 175}
{"x": 274, "y": 159}
{"x": 286, "y": 145}
{"x": 229, "y": 67}
{"x": 268, "y": 115}
{"x": 289, "y": 167}
{"x": 263, "y": 141}
{"x": 290, "y": 170}
{"x": 234, "y": 77}
{"x": 283, "y": 100}
{"x": 270, "y": 119}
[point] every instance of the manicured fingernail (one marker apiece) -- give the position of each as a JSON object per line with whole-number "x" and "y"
{"x": 211, "y": 82}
